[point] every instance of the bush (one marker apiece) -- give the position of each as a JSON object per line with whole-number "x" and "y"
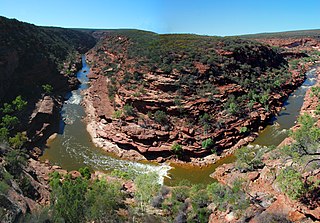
{"x": 129, "y": 174}
{"x": 208, "y": 143}
{"x": 18, "y": 140}
{"x": 69, "y": 200}
{"x": 102, "y": 201}
{"x": 9, "y": 121}
{"x": 176, "y": 148}
{"x": 128, "y": 110}
{"x": 233, "y": 197}
{"x": 7, "y": 108}
{"x": 199, "y": 196}
{"x": 147, "y": 186}
{"x": 14, "y": 161}
{"x": 205, "y": 120}
{"x": 117, "y": 114}
{"x": 233, "y": 108}
{"x": 243, "y": 129}
{"x": 290, "y": 182}
{"x": 248, "y": 159}
{"x": 4, "y": 134}
{"x": 161, "y": 117}
{"x": 19, "y": 104}
{"x": 47, "y": 88}
{"x": 85, "y": 172}
{"x": 180, "y": 193}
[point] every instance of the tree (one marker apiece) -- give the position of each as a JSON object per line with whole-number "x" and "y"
{"x": 304, "y": 149}
{"x": 69, "y": 200}
{"x": 19, "y": 104}
{"x": 18, "y": 140}
{"x": 248, "y": 159}
{"x": 147, "y": 186}
{"x": 9, "y": 121}
{"x": 102, "y": 201}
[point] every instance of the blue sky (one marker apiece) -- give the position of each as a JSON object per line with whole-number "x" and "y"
{"x": 208, "y": 17}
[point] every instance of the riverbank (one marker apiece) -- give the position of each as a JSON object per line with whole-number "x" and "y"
{"x": 108, "y": 134}
{"x": 261, "y": 184}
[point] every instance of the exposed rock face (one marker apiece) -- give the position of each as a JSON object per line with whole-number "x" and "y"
{"x": 44, "y": 120}
{"x": 271, "y": 204}
{"x": 30, "y": 57}
{"x": 142, "y": 134}
{"x": 17, "y": 203}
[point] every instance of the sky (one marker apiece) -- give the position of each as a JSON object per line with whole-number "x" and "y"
{"x": 205, "y": 17}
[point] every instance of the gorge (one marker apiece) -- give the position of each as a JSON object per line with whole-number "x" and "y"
{"x": 170, "y": 126}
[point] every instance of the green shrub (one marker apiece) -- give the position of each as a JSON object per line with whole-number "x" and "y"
{"x": 128, "y": 110}
{"x": 117, "y": 114}
{"x": 47, "y": 88}
{"x": 7, "y": 108}
{"x": 208, "y": 143}
{"x": 248, "y": 159}
{"x": 291, "y": 183}
{"x": 69, "y": 201}
{"x": 103, "y": 199}
{"x": 15, "y": 159}
{"x": 127, "y": 175}
{"x": 85, "y": 172}
{"x": 161, "y": 117}
{"x": 19, "y": 104}
{"x": 233, "y": 108}
{"x": 18, "y": 140}
{"x": 4, "y": 134}
{"x": 147, "y": 186}
{"x": 228, "y": 197}
{"x": 180, "y": 193}
{"x": 205, "y": 121}
{"x": 4, "y": 187}
{"x": 243, "y": 129}
{"x": 9, "y": 121}
{"x": 176, "y": 148}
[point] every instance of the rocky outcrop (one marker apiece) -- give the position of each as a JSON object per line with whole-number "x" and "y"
{"x": 44, "y": 121}
{"x": 143, "y": 136}
{"x": 267, "y": 201}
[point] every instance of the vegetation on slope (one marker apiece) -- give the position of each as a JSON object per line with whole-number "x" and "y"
{"x": 289, "y": 34}
{"x": 210, "y": 84}
{"x": 35, "y": 55}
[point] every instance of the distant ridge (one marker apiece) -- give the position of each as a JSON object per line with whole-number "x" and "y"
{"x": 314, "y": 33}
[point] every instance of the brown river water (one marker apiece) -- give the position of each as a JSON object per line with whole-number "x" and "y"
{"x": 73, "y": 148}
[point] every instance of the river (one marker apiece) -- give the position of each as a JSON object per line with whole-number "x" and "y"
{"x": 73, "y": 148}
